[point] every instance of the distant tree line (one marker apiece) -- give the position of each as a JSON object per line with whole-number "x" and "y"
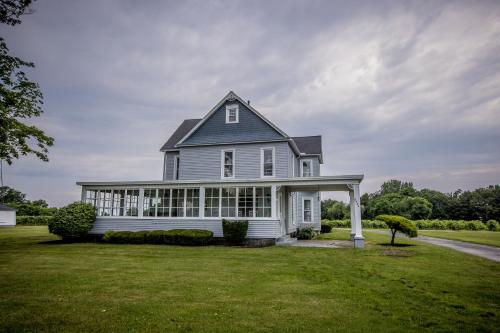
{"x": 24, "y": 207}
{"x": 401, "y": 198}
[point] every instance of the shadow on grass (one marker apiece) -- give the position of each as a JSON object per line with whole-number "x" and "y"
{"x": 396, "y": 245}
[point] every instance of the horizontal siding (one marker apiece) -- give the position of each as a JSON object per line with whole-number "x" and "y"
{"x": 249, "y": 128}
{"x": 204, "y": 162}
{"x": 256, "y": 228}
{"x": 169, "y": 167}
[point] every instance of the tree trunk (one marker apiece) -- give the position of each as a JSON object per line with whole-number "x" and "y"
{"x": 393, "y": 235}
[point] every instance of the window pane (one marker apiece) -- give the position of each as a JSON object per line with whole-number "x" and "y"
{"x": 268, "y": 162}
{"x": 245, "y": 202}
{"x": 229, "y": 202}
{"x": 163, "y": 202}
{"x": 131, "y": 202}
{"x": 192, "y": 202}
{"x": 149, "y": 203}
{"x": 177, "y": 203}
{"x": 212, "y": 202}
{"x": 118, "y": 202}
{"x": 306, "y": 168}
{"x": 228, "y": 164}
{"x": 307, "y": 210}
{"x": 263, "y": 201}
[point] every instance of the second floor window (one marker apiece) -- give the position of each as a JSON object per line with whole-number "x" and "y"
{"x": 232, "y": 114}
{"x": 227, "y": 164}
{"x": 267, "y": 160}
{"x": 306, "y": 168}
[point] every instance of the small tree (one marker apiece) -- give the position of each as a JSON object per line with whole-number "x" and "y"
{"x": 73, "y": 221}
{"x": 398, "y": 223}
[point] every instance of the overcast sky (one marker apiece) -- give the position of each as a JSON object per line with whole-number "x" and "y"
{"x": 398, "y": 89}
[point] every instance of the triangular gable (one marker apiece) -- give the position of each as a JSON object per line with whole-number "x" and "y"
{"x": 252, "y": 126}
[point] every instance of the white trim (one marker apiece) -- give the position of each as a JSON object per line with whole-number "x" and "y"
{"x": 312, "y": 209}
{"x": 223, "y": 151}
{"x": 302, "y": 167}
{"x": 262, "y": 162}
{"x": 232, "y": 107}
{"x": 231, "y": 96}
{"x": 176, "y": 166}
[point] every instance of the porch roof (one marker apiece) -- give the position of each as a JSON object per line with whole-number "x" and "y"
{"x": 321, "y": 183}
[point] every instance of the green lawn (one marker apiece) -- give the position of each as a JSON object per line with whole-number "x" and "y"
{"x": 125, "y": 288}
{"x": 480, "y": 237}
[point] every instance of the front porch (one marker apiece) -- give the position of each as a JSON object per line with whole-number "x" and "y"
{"x": 267, "y": 203}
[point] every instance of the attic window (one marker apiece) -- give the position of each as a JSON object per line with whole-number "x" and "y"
{"x": 232, "y": 114}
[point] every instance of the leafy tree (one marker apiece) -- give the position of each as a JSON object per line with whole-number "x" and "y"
{"x": 9, "y": 195}
{"x": 20, "y": 98}
{"x": 398, "y": 223}
{"x": 397, "y": 186}
{"x": 415, "y": 208}
{"x": 441, "y": 203}
{"x": 337, "y": 211}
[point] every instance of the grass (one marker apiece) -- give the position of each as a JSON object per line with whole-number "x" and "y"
{"x": 480, "y": 237}
{"x": 50, "y": 286}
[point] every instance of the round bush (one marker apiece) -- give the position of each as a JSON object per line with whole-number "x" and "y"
{"x": 326, "y": 227}
{"x": 306, "y": 233}
{"x": 493, "y": 225}
{"x": 73, "y": 221}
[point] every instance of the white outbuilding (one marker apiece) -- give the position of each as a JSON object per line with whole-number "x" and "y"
{"x": 7, "y": 216}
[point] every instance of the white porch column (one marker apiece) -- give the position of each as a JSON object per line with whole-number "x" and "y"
{"x": 140, "y": 204}
{"x": 352, "y": 204}
{"x": 359, "y": 240}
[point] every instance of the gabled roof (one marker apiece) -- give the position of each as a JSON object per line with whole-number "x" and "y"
{"x": 6, "y": 208}
{"x": 186, "y": 126}
{"x": 231, "y": 96}
{"x": 309, "y": 145}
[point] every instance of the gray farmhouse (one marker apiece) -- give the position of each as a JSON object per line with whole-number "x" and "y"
{"x": 234, "y": 164}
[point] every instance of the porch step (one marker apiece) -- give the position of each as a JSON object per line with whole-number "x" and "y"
{"x": 286, "y": 240}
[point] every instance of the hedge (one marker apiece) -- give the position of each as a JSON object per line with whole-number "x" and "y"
{"x": 33, "y": 220}
{"x": 234, "y": 232}
{"x": 420, "y": 224}
{"x": 190, "y": 237}
{"x": 73, "y": 221}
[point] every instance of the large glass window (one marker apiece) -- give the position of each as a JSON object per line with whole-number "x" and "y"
{"x": 228, "y": 163}
{"x": 163, "y": 202}
{"x": 263, "y": 201}
{"x": 105, "y": 202}
{"x": 245, "y": 202}
{"x": 131, "y": 202}
{"x": 91, "y": 197}
{"x": 228, "y": 199}
{"x": 149, "y": 203}
{"x": 307, "y": 210}
{"x": 177, "y": 202}
{"x": 267, "y": 162}
{"x": 118, "y": 202}
{"x": 192, "y": 202}
{"x": 212, "y": 196}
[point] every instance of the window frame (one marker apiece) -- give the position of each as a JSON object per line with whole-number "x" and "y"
{"x": 222, "y": 163}
{"x": 304, "y": 199}
{"x": 235, "y": 107}
{"x": 302, "y": 167}
{"x": 262, "y": 154}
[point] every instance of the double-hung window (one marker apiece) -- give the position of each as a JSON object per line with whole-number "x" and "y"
{"x": 307, "y": 210}
{"x": 227, "y": 164}
{"x": 267, "y": 162}
{"x": 232, "y": 114}
{"x": 306, "y": 168}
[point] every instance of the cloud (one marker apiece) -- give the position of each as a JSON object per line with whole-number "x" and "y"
{"x": 398, "y": 90}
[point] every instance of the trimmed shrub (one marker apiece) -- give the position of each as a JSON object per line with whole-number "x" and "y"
{"x": 398, "y": 223}
{"x": 306, "y": 233}
{"x": 234, "y": 232}
{"x": 73, "y": 221}
{"x": 33, "y": 220}
{"x": 190, "y": 237}
{"x": 326, "y": 227}
{"x": 493, "y": 225}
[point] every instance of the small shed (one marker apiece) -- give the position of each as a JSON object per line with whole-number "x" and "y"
{"x": 7, "y": 216}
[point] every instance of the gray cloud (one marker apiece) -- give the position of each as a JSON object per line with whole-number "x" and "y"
{"x": 397, "y": 89}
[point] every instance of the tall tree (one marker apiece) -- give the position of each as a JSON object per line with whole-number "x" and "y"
{"x": 20, "y": 98}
